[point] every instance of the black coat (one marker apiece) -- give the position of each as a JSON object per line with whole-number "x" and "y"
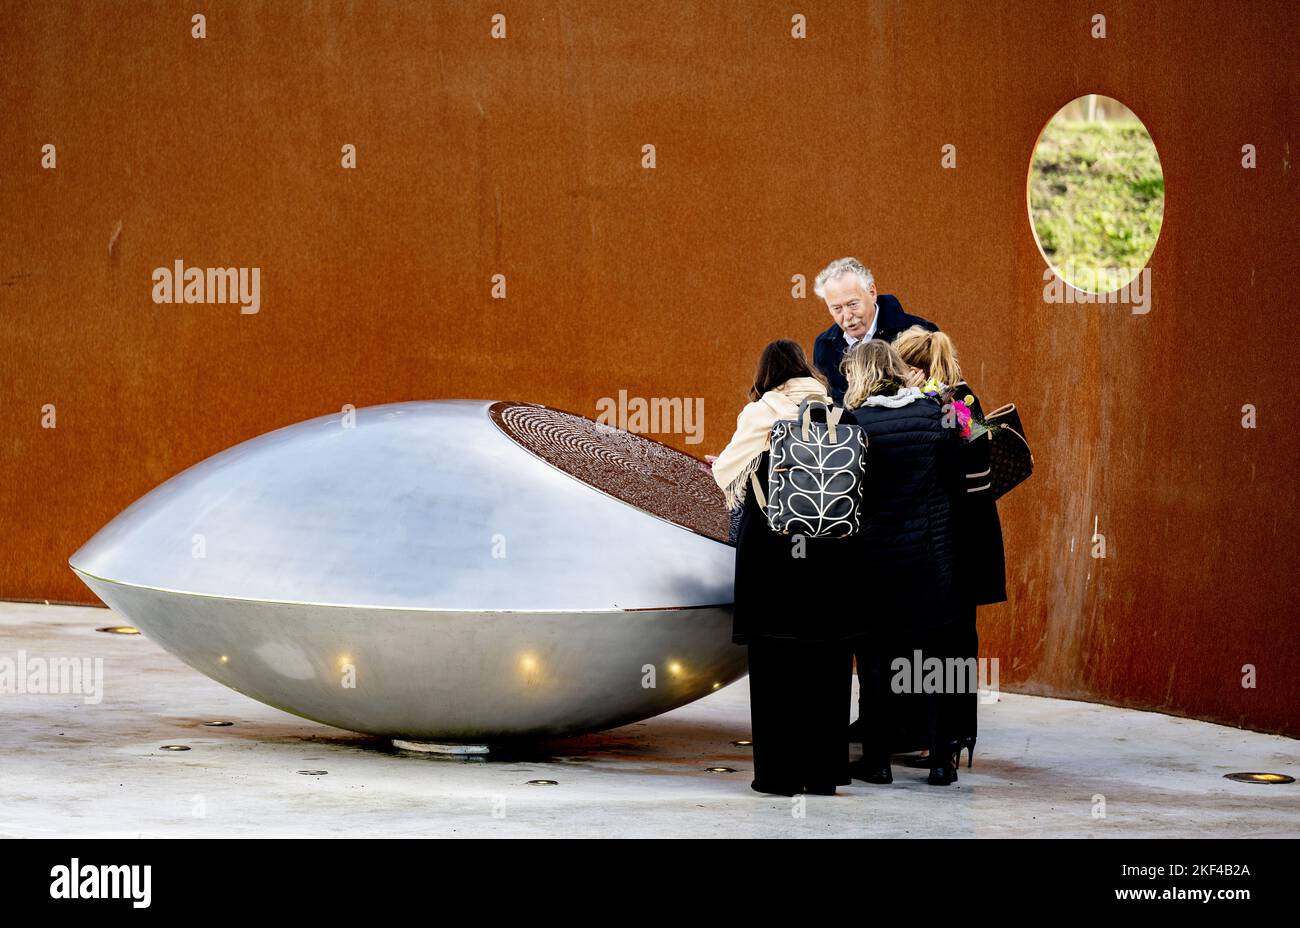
{"x": 981, "y": 557}
{"x": 779, "y": 595}
{"x": 907, "y": 545}
{"x": 828, "y": 348}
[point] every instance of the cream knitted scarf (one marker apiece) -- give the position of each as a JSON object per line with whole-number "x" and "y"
{"x": 753, "y": 432}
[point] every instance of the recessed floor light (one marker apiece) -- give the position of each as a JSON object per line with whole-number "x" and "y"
{"x": 313, "y": 773}
{"x": 743, "y": 744}
{"x": 119, "y": 630}
{"x": 174, "y": 747}
{"x": 1259, "y": 777}
{"x": 218, "y": 724}
{"x": 543, "y": 783}
{"x": 721, "y": 769}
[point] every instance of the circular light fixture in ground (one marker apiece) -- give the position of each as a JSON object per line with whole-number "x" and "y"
{"x": 1096, "y": 194}
{"x": 119, "y": 630}
{"x": 1273, "y": 778}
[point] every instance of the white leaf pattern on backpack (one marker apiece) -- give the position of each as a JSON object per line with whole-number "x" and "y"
{"x": 815, "y": 486}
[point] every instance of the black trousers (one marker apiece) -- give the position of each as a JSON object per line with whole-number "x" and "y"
{"x": 800, "y": 694}
{"x": 893, "y": 721}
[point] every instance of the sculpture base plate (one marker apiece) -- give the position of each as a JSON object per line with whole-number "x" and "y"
{"x": 435, "y": 747}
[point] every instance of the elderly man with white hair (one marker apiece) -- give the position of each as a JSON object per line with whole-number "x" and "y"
{"x": 860, "y": 314}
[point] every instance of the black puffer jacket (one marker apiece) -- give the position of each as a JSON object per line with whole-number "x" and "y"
{"x": 906, "y": 549}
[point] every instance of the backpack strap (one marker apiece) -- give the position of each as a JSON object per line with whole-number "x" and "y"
{"x": 832, "y": 422}
{"x": 833, "y": 414}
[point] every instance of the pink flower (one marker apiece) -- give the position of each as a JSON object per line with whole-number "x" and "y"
{"x": 963, "y": 417}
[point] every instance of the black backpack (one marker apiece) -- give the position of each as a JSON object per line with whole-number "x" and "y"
{"x": 814, "y": 475}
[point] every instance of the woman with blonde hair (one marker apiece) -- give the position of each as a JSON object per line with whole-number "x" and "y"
{"x": 799, "y": 661}
{"x": 904, "y": 554}
{"x": 932, "y": 354}
{"x": 981, "y": 559}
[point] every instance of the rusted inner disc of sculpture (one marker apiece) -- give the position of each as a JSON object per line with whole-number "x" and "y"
{"x": 642, "y": 473}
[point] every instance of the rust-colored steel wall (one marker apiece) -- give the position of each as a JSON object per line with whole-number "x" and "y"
{"x": 522, "y": 156}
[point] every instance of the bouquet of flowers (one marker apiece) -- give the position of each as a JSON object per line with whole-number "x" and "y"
{"x": 968, "y": 427}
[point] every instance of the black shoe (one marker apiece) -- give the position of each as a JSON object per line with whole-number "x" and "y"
{"x": 942, "y": 775}
{"x": 873, "y": 772}
{"x": 820, "y": 790}
{"x": 775, "y": 789}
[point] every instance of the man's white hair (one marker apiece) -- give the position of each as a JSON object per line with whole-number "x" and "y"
{"x": 839, "y": 268}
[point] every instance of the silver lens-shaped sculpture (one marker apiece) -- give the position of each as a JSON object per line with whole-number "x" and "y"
{"x": 446, "y": 570}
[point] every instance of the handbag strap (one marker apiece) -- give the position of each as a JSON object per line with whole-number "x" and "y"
{"x": 1007, "y": 428}
{"x": 759, "y": 496}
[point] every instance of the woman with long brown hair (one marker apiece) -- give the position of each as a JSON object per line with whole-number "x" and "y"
{"x": 799, "y": 663}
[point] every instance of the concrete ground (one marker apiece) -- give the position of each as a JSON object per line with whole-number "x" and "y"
{"x": 69, "y": 768}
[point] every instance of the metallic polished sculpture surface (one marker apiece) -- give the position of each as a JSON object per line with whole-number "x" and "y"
{"x": 442, "y": 570}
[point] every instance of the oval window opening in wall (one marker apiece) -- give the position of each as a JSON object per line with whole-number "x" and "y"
{"x": 1096, "y": 194}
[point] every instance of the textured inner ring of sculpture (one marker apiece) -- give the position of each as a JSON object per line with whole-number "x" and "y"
{"x": 643, "y": 473}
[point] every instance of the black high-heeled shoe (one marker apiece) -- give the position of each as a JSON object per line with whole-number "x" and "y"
{"x": 917, "y": 760}
{"x": 955, "y": 748}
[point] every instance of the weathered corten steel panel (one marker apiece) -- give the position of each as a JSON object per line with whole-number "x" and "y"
{"x": 523, "y": 156}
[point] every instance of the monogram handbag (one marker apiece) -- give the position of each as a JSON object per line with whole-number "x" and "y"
{"x": 1010, "y": 460}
